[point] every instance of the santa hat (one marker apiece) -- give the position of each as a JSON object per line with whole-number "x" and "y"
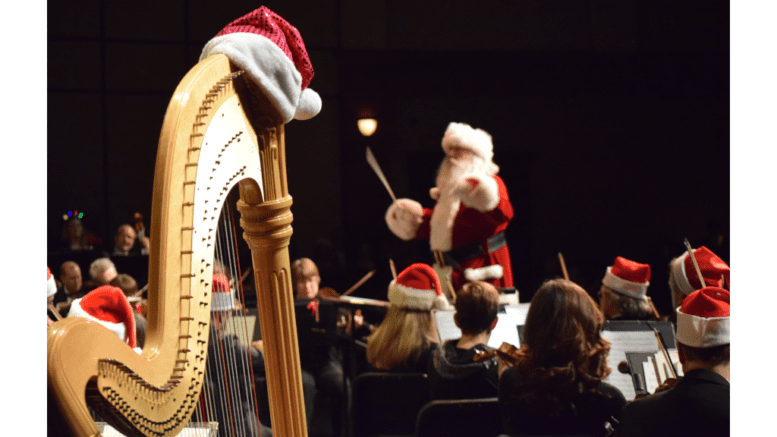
{"x": 51, "y": 285}
{"x": 704, "y": 318}
{"x": 628, "y": 278}
{"x": 711, "y": 266}
{"x": 108, "y": 306}
{"x": 272, "y": 54}
{"x": 417, "y": 288}
{"x": 223, "y": 296}
{"x": 475, "y": 140}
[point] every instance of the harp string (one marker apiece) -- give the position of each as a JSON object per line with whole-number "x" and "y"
{"x": 229, "y": 369}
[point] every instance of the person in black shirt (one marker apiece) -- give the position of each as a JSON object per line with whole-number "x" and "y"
{"x": 453, "y": 372}
{"x": 699, "y": 404}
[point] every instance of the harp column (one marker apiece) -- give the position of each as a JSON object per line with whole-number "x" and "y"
{"x": 266, "y": 220}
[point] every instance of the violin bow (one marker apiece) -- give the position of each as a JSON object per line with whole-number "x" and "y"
{"x": 695, "y": 264}
{"x": 358, "y": 284}
{"x": 393, "y": 268}
{"x": 563, "y": 266}
{"x": 374, "y": 164}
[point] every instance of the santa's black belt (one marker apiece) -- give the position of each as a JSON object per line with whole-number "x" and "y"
{"x": 463, "y": 254}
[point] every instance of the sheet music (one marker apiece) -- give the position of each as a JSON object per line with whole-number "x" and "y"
{"x": 622, "y": 342}
{"x": 651, "y": 382}
{"x": 209, "y": 429}
{"x": 506, "y": 330}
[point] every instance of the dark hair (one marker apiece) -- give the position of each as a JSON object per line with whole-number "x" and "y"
{"x": 563, "y": 352}
{"x": 127, "y": 284}
{"x": 476, "y": 306}
{"x": 709, "y": 355}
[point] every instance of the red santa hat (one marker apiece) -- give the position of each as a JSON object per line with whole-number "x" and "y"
{"x": 223, "y": 296}
{"x": 108, "y": 306}
{"x": 704, "y": 318}
{"x": 272, "y": 54}
{"x": 51, "y": 285}
{"x": 417, "y": 288}
{"x": 711, "y": 266}
{"x": 628, "y": 278}
{"x": 475, "y": 140}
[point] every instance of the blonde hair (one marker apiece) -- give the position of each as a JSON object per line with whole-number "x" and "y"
{"x": 401, "y": 339}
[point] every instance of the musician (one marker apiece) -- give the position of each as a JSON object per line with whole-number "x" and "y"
{"x": 471, "y": 213}
{"x": 452, "y": 371}
{"x": 406, "y": 338}
{"x": 316, "y": 334}
{"x": 127, "y": 242}
{"x": 623, "y": 295}
{"x": 556, "y": 385}
{"x": 683, "y": 279}
{"x": 228, "y": 395}
{"x": 129, "y": 286}
{"x": 108, "y": 306}
{"x": 70, "y": 277}
{"x": 102, "y": 271}
{"x": 699, "y": 405}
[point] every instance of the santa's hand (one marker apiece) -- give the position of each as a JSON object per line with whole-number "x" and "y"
{"x": 478, "y": 192}
{"x": 404, "y": 217}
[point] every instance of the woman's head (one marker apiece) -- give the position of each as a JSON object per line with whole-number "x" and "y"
{"x": 401, "y": 338}
{"x": 564, "y": 327}
{"x": 305, "y": 278}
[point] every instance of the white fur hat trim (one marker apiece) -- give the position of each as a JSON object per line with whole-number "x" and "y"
{"x": 51, "y": 287}
{"x": 702, "y": 332}
{"x": 484, "y": 273}
{"x": 117, "y": 328}
{"x": 413, "y": 298}
{"x": 271, "y": 69}
{"x": 622, "y": 286}
{"x": 463, "y": 135}
{"x": 680, "y": 276}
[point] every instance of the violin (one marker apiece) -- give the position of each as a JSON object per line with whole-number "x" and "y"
{"x": 506, "y": 352}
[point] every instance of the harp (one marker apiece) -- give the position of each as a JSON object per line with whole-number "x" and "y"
{"x": 215, "y": 137}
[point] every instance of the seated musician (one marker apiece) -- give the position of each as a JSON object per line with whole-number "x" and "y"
{"x": 108, "y": 306}
{"x": 406, "y": 338}
{"x": 623, "y": 295}
{"x": 228, "y": 395}
{"x": 452, "y": 371}
{"x": 316, "y": 325}
{"x": 683, "y": 279}
{"x": 699, "y": 405}
{"x": 51, "y": 290}
{"x": 555, "y": 386}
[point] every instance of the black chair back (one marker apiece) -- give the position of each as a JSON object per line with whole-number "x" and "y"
{"x": 460, "y": 418}
{"x": 387, "y": 404}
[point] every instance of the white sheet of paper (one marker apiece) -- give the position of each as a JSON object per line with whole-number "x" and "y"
{"x": 622, "y": 342}
{"x": 651, "y": 382}
{"x": 505, "y": 331}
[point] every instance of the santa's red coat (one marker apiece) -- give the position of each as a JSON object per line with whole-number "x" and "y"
{"x": 472, "y": 227}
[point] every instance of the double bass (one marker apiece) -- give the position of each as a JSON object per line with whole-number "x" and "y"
{"x": 216, "y": 139}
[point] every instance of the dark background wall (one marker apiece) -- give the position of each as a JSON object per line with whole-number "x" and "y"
{"x": 610, "y": 121}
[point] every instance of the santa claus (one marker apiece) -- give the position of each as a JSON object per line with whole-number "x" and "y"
{"x": 471, "y": 213}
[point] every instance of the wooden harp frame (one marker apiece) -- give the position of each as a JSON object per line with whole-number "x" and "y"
{"x": 216, "y": 134}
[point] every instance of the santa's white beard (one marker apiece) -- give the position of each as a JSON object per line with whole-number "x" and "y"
{"x": 451, "y": 171}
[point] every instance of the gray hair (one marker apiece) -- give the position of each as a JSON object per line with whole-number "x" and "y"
{"x": 99, "y": 266}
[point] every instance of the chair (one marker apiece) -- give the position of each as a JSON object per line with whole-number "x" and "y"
{"x": 460, "y": 418}
{"x": 387, "y": 404}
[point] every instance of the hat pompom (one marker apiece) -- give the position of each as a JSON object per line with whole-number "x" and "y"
{"x": 417, "y": 287}
{"x": 628, "y": 278}
{"x": 704, "y": 318}
{"x": 108, "y": 306}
